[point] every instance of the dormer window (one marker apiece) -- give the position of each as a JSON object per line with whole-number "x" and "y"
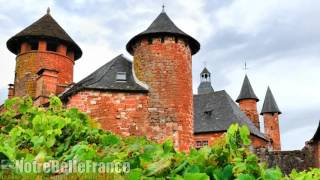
{"x": 208, "y": 112}
{"x": 121, "y": 76}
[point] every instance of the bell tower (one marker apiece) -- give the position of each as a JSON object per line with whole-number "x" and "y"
{"x": 43, "y": 48}
{"x": 205, "y": 82}
{"x": 163, "y": 62}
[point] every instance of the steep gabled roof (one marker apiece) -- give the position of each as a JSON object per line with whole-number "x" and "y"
{"x": 163, "y": 25}
{"x": 269, "y": 104}
{"x": 104, "y": 79}
{"x": 246, "y": 91}
{"x": 216, "y": 111}
{"x": 46, "y": 27}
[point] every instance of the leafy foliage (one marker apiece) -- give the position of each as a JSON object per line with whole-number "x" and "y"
{"x": 54, "y": 133}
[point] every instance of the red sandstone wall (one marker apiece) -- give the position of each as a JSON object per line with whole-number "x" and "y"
{"x": 272, "y": 131}
{"x": 166, "y": 68}
{"x": 249, "y": 107}
{"x": 211, "y": 137}
{"x": 121, "y": 113}
{"x": 30, "y": 62}
{"x": 258, "y": 142}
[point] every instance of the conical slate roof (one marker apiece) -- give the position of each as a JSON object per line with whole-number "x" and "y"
{"x": 47, "y": 28}
{"x": 205, "y": 70}
{"x": 269, "y": 104}
{"x": 163, "y": 25}
{"x": 246, "y": 91}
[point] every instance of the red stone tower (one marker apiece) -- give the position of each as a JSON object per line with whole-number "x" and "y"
{"x": 162, "y": 61}
{"x": 45, "y": 55}
{"x": 248, "y": 102}
{"x": 270, "y": 112}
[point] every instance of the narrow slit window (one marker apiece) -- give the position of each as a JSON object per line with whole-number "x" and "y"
{"x": 121, "y": 76}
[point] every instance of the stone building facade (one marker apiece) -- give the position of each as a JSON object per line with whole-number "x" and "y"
{"x": 150, "y": 96}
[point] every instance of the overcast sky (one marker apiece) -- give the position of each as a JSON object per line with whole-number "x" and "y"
{"x": 279, "y": 39}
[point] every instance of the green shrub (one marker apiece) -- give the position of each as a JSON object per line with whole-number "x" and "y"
{"x": 58, "y": 134}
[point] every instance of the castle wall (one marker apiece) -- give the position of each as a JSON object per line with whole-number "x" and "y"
{"x": 120, "y": 112}
{"x": 212, "y": 137}
{"x": 29, "y": 63}
{"x": 164, "y": 64}
{"x": 289, "y": 160}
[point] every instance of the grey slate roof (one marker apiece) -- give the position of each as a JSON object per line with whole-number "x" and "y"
{"x": 104, "y": 79}
{"x": 205, "y": 70}
{"x": 215, "y": 112}
{"x": 269, "y": 104}
{"x": 163, "y": 25}
{"x": 246, "y": 91}
{"x": 205, "y": 87}
{"x": 47, "y": 28}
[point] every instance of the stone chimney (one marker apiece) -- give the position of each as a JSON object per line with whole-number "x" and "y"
{"x": 46, "y": 85}
{"x": 11, "y": 91}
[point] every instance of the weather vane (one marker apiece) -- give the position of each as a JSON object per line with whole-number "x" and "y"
{"x": 204, "y": 63}
{"x": 245, "y": 66}
{"x": 163, "y": 6}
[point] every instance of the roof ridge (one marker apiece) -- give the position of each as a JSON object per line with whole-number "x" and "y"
{"x": 111, "y": 64}
{"x": 248, "y": 122}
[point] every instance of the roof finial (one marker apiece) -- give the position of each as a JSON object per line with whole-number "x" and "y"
{"x": 245, "y": 66}
{"x": 163, "y": 6}
{"x": 48, "y": 10}
{"x": 204, "y": 64}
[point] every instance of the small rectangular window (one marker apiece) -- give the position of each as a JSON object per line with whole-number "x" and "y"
{"x": 121, "y": 76}
{"x": 34, "y": 45}
{"x": 200, "y": 144}
{"x": 52, "y": 46}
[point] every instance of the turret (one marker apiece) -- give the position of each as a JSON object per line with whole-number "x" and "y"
{"x": 247, "y": 100}
{"x": 43, "y": 45}
{"x": 205, "y": 82}
{"x": 162, "y": 62}
{"x": 270, "y": 112}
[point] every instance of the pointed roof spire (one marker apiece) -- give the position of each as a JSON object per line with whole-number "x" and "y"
{"x": 163, "y": 6}
{"x": 205, "y": 70}
{"x": 269, "y": 104}
{"x": 46, "y": 28}
{"x": 161, "y": 26}
{"x": 246, "y": 91}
